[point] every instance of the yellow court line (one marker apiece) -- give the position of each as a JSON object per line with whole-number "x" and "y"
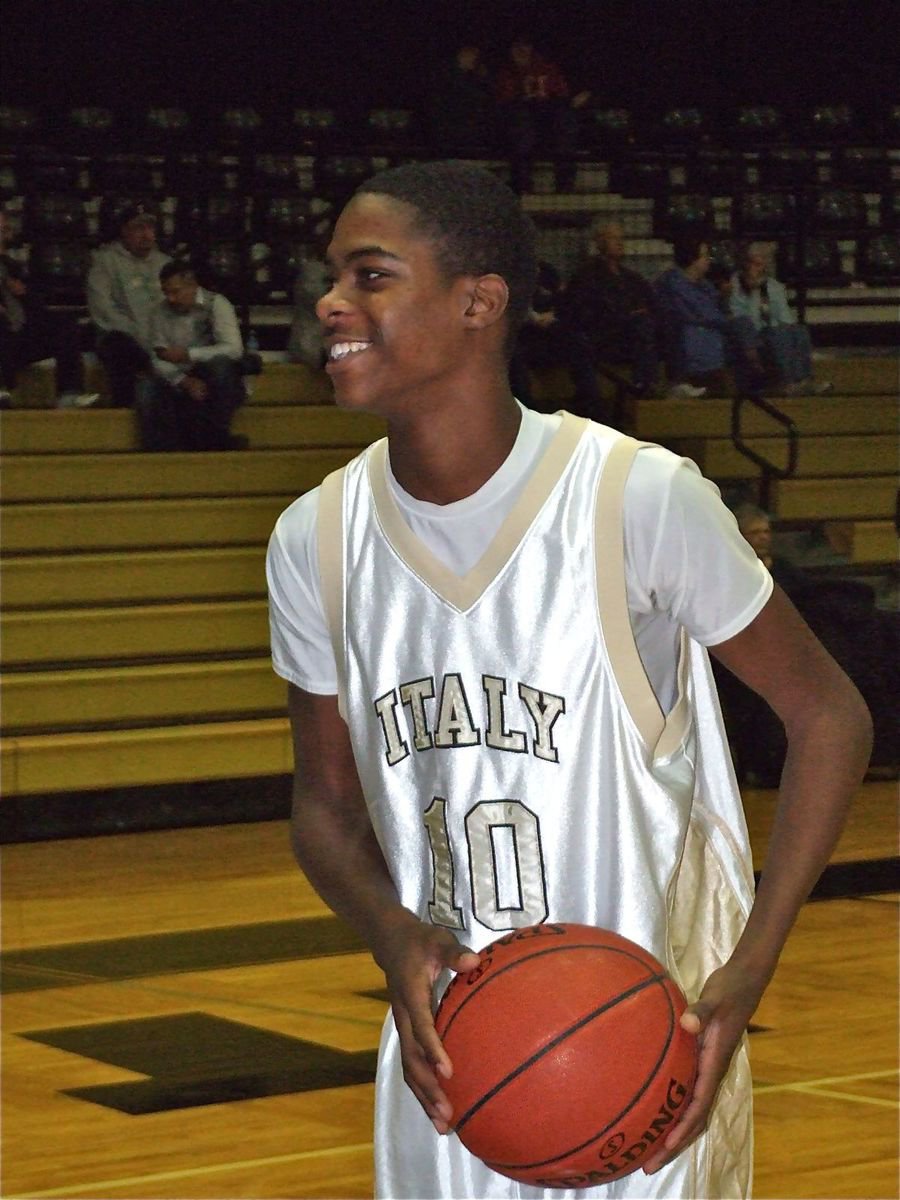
{"x": 92, "y": 1190}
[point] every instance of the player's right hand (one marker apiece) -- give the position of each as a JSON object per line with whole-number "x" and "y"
{"x": 412, "y": 955}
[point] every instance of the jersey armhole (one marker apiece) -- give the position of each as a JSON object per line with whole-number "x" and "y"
{"x": 330, "y": 537}
{"x": 660, "y": 733}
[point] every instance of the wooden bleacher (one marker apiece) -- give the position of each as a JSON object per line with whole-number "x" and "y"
{"x": 134, "y": 627}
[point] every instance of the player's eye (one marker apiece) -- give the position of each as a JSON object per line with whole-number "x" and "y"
{"x": 370, "y": 275}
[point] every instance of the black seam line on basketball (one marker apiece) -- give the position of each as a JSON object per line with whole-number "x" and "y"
{"x": 601, "y": 1133}
{"x": 483, "y": 983}
{"x": 561, "y": 1037}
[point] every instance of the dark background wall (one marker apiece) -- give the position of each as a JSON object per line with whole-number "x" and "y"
{"x": 279, "y": 53}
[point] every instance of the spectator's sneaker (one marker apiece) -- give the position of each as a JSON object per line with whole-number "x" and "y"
{"x": 685, "y": 391}
{"x": 77, "y": 399}
{"x": 823, "y": 388}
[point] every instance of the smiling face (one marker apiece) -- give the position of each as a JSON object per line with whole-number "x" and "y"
{"x": 395, "y": 326}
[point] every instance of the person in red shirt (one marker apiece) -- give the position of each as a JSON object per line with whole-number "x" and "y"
{"x": 538, "y": 111}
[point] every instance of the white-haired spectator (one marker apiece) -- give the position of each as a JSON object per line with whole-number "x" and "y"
{"x": 763, "y": 316}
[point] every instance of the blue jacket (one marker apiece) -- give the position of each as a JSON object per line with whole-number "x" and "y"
{"x": 693, "y": 322}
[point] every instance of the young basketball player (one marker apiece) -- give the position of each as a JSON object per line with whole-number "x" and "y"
{"x": 493, "y": 627}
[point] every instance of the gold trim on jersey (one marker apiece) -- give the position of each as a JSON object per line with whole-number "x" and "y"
{"x": 662, "y": 735}
{"x": 461, "y": 592}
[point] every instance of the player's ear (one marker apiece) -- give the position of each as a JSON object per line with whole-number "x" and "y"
{"x": 487, "y": 298}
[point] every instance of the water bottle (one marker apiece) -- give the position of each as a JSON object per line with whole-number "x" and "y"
{"x": 251, "y": 347}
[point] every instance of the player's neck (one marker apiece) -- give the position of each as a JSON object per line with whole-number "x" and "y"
{"x": 453, "y": 453}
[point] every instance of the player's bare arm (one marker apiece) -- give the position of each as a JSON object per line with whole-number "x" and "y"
{"x": 829, "y": 740}
{"x": 335, "y": 844}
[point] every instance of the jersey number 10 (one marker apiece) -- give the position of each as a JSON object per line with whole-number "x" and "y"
{"x": 506, "y": 866}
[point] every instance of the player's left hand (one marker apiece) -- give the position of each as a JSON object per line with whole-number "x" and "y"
{"x": 719, "y": 1019}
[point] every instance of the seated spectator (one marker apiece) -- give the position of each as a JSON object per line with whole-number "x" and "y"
{"x": 196, "y": 385}
{"x": 693, "y": 322}
{"x": 547, "y": 340}
{"x": 760, "y": 305}
{"x": 461, "y": 112}
{"x": 29, "y": 332}
{"x": 305, "y": 337}
{"x": 741, "y": 341}
{"x": 122, "y": 291}
{"x": 537, "y": 111}
{"x": 614, "y": 307}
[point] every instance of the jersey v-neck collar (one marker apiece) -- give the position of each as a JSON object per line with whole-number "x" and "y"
{"x": 462, "y": 592}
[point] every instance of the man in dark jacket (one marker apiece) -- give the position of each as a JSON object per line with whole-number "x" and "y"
{"x": 614, "y": 307}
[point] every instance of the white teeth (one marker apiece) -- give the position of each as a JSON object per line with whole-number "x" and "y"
{"x": 342, "y": 349}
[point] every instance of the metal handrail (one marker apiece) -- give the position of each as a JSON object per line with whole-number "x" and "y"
{"x": 623, "y": 388}
{"x": 769, "y": 469}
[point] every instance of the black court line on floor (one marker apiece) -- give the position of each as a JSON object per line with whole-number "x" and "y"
{"x": 192, "y": 1059}
{"x": 283, "y": 941}
{"x": 175, "y": 953}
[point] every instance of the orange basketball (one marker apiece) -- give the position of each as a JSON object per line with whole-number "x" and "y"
{"x": 569, "y": 1063}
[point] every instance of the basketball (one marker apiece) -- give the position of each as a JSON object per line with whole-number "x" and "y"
{"x": 569, "y": 1063}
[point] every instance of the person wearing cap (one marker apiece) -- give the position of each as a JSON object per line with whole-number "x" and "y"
{"x": 122, "y": 291}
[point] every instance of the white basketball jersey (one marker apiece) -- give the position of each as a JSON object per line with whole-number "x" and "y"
{"x": 517, "y": 768}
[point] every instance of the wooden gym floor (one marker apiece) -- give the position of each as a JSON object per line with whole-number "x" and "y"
{"x": 183, "y": 1018}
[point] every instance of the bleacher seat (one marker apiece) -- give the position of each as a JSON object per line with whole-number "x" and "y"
{"x": 820, "y": 265}
{"x": 677, "y": 213}
{"x": 863, "y": 167}
{"x": 788, "y": 166}
{"x": 831, "y": 123}
{"x": 20, "y": 125}
{"x": 91, "y": 129}
{"x": 338, "y": 175}
{"x": 165, "y": 129}
{"x": 878, "y": 259}
{"x": 58, "y": 216}
{"x": 223, "y": 266}
{"x": 641, "y": 175}
{"x": 716, "y": 172}
{"x": 43, "y": 170}
{"x": 764, "y": 214}
{"x": 609, "y": 131}
{"x": 390, "y": 130}
{"x": 838, "y": 211}
{"x": 757, "y": 125}
{"x": 128, "y": 174}
{"x": 683, "y": 128}
{"x": 315, "y": 128}
{"x": 889, "y": 209}
{"x": 239, "y": 127}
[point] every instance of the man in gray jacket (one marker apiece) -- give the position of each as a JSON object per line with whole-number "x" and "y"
{"x": 196, "y": 383}
{"x": 122, "y": 290}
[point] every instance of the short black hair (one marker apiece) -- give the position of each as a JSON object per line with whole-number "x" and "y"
{"x": 686, "y": 248}
{"x": 175, "y": 267}
{"x": 475, "y": 221}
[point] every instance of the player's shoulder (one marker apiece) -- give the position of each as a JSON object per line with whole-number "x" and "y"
{"x": 296, "y": 527}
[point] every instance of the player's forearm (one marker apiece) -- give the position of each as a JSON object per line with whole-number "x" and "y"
{"x": 828, "y": 752}
{"x": 343, "y": 862}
